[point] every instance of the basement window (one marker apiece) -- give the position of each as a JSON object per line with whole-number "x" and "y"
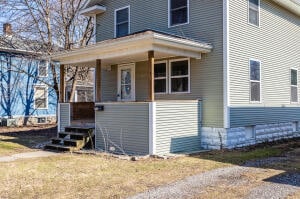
{"x": 41, "y": 120}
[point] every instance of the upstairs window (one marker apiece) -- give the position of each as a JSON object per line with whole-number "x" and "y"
{"x": 255, "y": 82}
{"x": 160, "y": 77}
{"x": 43, "y": 69}
{"x": 294, "y": 85}
{"x": 122, "y": 22}
{"x": 180, "y": 76}
{"x": 40, "y": 97}
{"x": 178, "y": 12}
{"x": 253, "y": 12}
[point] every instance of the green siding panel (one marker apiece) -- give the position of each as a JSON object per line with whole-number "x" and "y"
{"x": 206, "y": 24}
{"x": 125, "y": 125}
{"x": 248, "y": 116}
{"x": 178, "y": 126}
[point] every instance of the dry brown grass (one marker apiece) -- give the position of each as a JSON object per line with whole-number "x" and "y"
{"x": 88, "y": 176}
{"x": 294, "y": 196}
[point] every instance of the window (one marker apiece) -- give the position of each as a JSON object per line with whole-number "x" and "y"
{"x": 41, "y": 120}
{"x": 40, "y": 97}
{"x": 294, "y": 85}
{"x": 122, "y": 22}
{"x": 253, "y": 12}
{"x": 255, "y": 81}
{"x": 43, "y": 69}
{"x": 160, "y": 77}
{"x": 178, "y": 12}
{"x": 179, "y": 76}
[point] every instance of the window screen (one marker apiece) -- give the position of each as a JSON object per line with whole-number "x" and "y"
{"x": 253, "y": 12}
{"x": 122, "y": 22}
{"x": 40, "y": 97}
{"x": 294, "y": 85}
{"x": 178, "y": 12}
{"x": 255, "y": 81}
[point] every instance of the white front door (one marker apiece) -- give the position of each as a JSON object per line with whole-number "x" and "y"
{"x": 126, "y": 82}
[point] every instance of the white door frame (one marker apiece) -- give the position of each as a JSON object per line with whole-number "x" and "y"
{"x": 122, "y": 67}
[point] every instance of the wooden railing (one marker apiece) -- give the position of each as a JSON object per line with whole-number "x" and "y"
{"x": 82, "y": 111}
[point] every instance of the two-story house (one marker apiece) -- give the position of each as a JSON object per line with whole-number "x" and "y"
{"x": 25, "y": 95}
{"x": 181, "y": 75}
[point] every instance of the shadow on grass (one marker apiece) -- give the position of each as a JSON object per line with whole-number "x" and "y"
{"x": 28, "y": 137}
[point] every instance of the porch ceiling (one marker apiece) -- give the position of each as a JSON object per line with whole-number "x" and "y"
{"x": 133, "y": 48}
{"x": 291, "y": 5}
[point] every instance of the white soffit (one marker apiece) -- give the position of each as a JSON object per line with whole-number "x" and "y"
{"x": 291, "y": 5}
{"x": 134, "y": 45}
{"x": 92, "y": 11}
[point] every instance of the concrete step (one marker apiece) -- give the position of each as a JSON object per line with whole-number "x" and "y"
{"x": 58, "y": 147}
{"x": 68, "y": 142}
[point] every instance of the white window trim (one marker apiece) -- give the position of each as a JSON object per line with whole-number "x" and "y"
{"x": 260, "y": 82}
{"x": 46, "y": 62}
{"x": 115, "y": 19}
{"x": 180, "y": 76}
{"x": 169, "y": 15}
{"x": 47, "y": 97}
{"x": 296, "y": 69}
{"x": 166, "y": 77}
{"x": 258, "y": 14}
{"x": 126, "y": 66}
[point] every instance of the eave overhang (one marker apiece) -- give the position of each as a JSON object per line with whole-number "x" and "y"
{"x": 134, "y": 48}
{"x": 291, "y": 5}
{"x": 92, "y": 11}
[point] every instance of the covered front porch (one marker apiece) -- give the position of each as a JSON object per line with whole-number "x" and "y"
{"x": 143, "y": 102}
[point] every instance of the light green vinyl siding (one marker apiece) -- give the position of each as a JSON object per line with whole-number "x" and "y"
{"x": 276, "y": 43}
{"x": 178, "y": 126}
{"x": 206, "y": 24}
{"x": 124, "y": 125}
{"x": 64, "y": 120}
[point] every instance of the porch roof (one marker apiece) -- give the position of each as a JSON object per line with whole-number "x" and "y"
{"x": 133, "y": 48}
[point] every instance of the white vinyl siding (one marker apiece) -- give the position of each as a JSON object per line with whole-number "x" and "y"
{"x": 253, "y": 12}
{"x": 178, "y": 12}
{"x": 294, "y": 85}
{"x": 255, "y": 81}
{"x": 122, "y": 21}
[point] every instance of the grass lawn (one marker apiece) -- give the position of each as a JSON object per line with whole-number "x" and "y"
{"x": 97, "y": 176}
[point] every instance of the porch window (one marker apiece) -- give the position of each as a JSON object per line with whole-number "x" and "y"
{"x": 294, "y": 85}
{"x": 43, "y": 69}
{"x": 253, "y": 12}
{"x": 179, "y": 76}
{"x": 160, "y": 77}
{"x": 40, "y": 97}
{"x": 178, "y": 12}
{"x": 255, "y": 81}
{"x": 122, "y": 21}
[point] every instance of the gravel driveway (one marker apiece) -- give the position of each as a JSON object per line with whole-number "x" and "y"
{"x": 251, "y": 181}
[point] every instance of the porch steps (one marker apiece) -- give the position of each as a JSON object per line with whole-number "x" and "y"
{"x": 73, "y": 138}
